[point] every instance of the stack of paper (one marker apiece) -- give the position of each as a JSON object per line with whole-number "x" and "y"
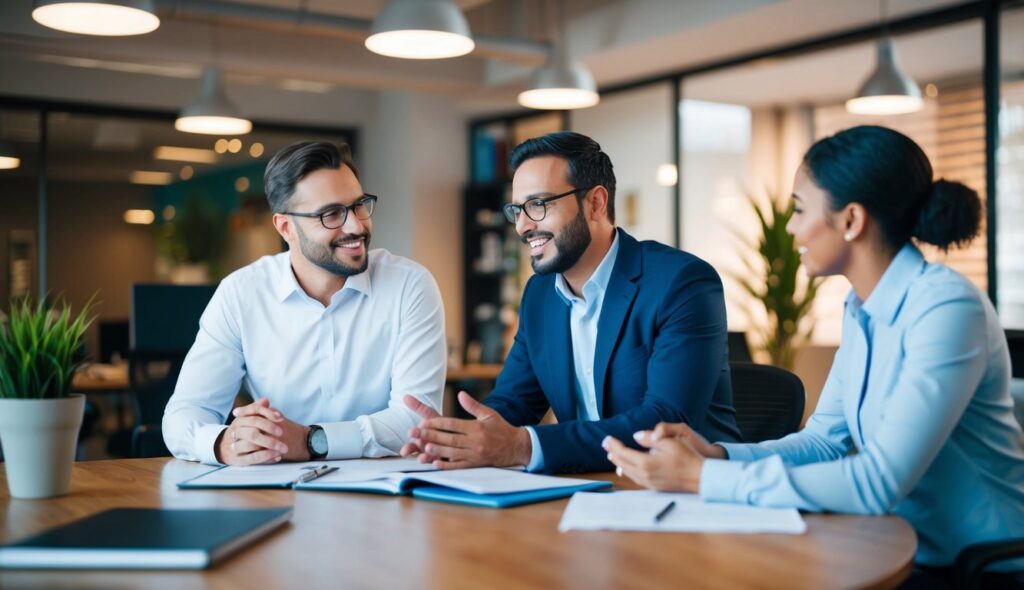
{"x": 637, "y": 511}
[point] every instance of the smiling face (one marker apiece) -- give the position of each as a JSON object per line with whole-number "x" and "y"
{"x": 342, "y": 251}
{"x": 557, "y": 241}
{"x": 817, "y": 229}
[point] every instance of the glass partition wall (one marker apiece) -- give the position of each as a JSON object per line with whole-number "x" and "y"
{"x": 126, "y": 198}
{"x": 736, "y": 131}
{"x": 1010, "y": 172}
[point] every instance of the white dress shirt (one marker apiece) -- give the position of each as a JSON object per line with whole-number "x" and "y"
{"x": 584, "y": 313}
{"x": 345, "y": 366}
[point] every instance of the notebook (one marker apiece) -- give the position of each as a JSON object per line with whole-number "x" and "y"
{"x": 483, "y": 486}
{"x": 286, "y": 475}
{"x": 144, "y": 538}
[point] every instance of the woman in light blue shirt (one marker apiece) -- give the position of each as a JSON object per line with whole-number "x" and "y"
{"x": 920, "y": 383}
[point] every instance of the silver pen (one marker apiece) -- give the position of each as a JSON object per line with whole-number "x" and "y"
{"x": 315, "y": 472}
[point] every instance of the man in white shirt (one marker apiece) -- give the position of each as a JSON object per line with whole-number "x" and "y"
{"x": 328, "y": 335}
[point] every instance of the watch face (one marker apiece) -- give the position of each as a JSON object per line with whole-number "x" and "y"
{"x": 318, "y": 440}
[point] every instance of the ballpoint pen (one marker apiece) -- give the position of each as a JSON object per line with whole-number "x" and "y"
{"x": 315, "y": 472}
{"x": 664, "y": 511}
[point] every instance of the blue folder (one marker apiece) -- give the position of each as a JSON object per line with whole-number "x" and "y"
{"x": 453, "y": 496}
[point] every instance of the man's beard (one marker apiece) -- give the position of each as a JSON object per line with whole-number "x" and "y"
{"x": 323, "y": 256}
{"x": 570, "y": 244}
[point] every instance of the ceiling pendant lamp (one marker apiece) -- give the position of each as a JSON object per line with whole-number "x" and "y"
{"x": 562, "y": 84}
{"x": 8, "y": 156}
{"x": 212, "y": 112}
{"x": 888, "y": 90}
{"x": 110, "y": 18}
{"x": 420, "y": 29}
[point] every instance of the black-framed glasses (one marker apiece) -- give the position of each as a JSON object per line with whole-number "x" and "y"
{"x": 536, "y": 209}
{"x": 335, "y": 216}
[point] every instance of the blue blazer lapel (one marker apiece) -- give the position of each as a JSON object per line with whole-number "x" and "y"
{"x": 618, "y": 299}
{"x": 558, "y": 343}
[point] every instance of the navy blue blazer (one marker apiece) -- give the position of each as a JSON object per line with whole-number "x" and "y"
{"x": 660, "y": 357}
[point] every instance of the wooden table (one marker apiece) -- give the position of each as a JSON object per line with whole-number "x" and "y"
{"x": 346, "y": 540}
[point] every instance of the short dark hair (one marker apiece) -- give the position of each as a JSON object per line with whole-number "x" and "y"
{"x": 588, "y": 165}
{"x": 890, "y": 175}
{"x": 294, "y": 162}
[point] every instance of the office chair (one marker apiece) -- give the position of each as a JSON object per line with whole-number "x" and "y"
{"x": 739, "y": 350}
{"x": 969, "y": 567}
{"x": 152, "y": 376}
{"x": 769, "y": 401}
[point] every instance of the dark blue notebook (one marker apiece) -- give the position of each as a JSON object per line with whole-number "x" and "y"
{"x": 144, "y": 538}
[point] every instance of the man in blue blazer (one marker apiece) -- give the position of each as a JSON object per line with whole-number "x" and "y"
{"x": 615, "y": 335}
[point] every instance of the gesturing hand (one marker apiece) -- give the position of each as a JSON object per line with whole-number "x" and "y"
{"x": 414, "y": 446}
{"x": 451, "y": 443}
{"x": 261, "y": 434}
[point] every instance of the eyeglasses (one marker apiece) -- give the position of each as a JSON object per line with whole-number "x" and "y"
{"x": 335, "y": 216}
{"x": 536, "y": 209}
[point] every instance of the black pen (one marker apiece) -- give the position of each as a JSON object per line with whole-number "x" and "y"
{"x": 664, "y": 511}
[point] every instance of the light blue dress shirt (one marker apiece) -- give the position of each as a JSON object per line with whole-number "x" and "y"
{"x": 345, "y": 366}
{"x": 584, "y": 313}
{"x": 920, "y": 389}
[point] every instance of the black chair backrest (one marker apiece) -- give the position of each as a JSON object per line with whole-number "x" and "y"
{"x": 739, "y": 350}
{"x": 1015, "y": 342}
{"x": 769, "y": 401}
{"x": 164, "y": 324}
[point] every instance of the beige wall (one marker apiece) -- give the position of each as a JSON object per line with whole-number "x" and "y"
{"x": 91, "y": 248}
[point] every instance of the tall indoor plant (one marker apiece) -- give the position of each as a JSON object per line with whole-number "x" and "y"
{"x": 39, "y": 417}
{"x": 775, "y": 284}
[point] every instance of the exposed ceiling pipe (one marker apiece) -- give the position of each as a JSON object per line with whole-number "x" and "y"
{"x": 269, "y": 18}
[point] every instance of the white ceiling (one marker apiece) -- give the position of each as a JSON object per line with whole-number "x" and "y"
{"x": 620, "y": 40}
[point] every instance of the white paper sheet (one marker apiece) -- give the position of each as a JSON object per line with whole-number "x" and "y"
{"x": 636, "y": 511}
{"x": 285, "y": 473}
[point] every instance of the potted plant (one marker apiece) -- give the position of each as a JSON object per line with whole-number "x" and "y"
{"x": 39, "y": 417}
{"x": 775, "y": 284}
{"x": 193, "y": 241}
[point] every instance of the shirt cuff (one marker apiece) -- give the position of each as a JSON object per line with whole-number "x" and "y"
{"x": 344, "y": 440}
{"x": 536, "y": 453}
{"x": 206, "y": 443}
{"x": 738, "y": 451}
{"x": 719, "y": 480}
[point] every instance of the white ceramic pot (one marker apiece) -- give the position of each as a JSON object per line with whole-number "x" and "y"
{"x": 38, "y": 438}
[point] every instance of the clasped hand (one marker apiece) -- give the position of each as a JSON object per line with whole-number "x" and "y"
{"x": 261, "y": 434}
{"x": 451, "y": 443}
{"x": 672, "y": 464}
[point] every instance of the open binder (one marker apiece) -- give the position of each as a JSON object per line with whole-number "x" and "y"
{"x": 483, "y": 486}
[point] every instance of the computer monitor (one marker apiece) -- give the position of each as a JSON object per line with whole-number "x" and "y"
{"x": 114, "y": 339}
{"x": 165, "y": 318}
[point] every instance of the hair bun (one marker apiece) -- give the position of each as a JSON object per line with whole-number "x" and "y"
{"x": 951, "y": 215}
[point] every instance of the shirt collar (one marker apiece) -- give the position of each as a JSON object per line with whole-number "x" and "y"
{"x": 598, "y": 280}
{"x": 885, "y": 300}
{"x": 288, "y": 284}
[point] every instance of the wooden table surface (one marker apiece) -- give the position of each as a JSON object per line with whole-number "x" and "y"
{"x": 350, "y": 540}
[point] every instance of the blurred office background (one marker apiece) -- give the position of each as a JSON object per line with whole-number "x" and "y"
{"x": 704, "y": 106}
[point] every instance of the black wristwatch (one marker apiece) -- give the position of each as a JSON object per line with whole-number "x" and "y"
{"x": 316, "y": 442}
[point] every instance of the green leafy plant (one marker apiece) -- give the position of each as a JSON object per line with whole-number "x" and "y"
{"x": 775, "y": 284}
{"x": 37, "y": 349}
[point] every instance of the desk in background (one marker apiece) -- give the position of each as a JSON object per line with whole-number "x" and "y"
{"x": 367, "y": 541}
